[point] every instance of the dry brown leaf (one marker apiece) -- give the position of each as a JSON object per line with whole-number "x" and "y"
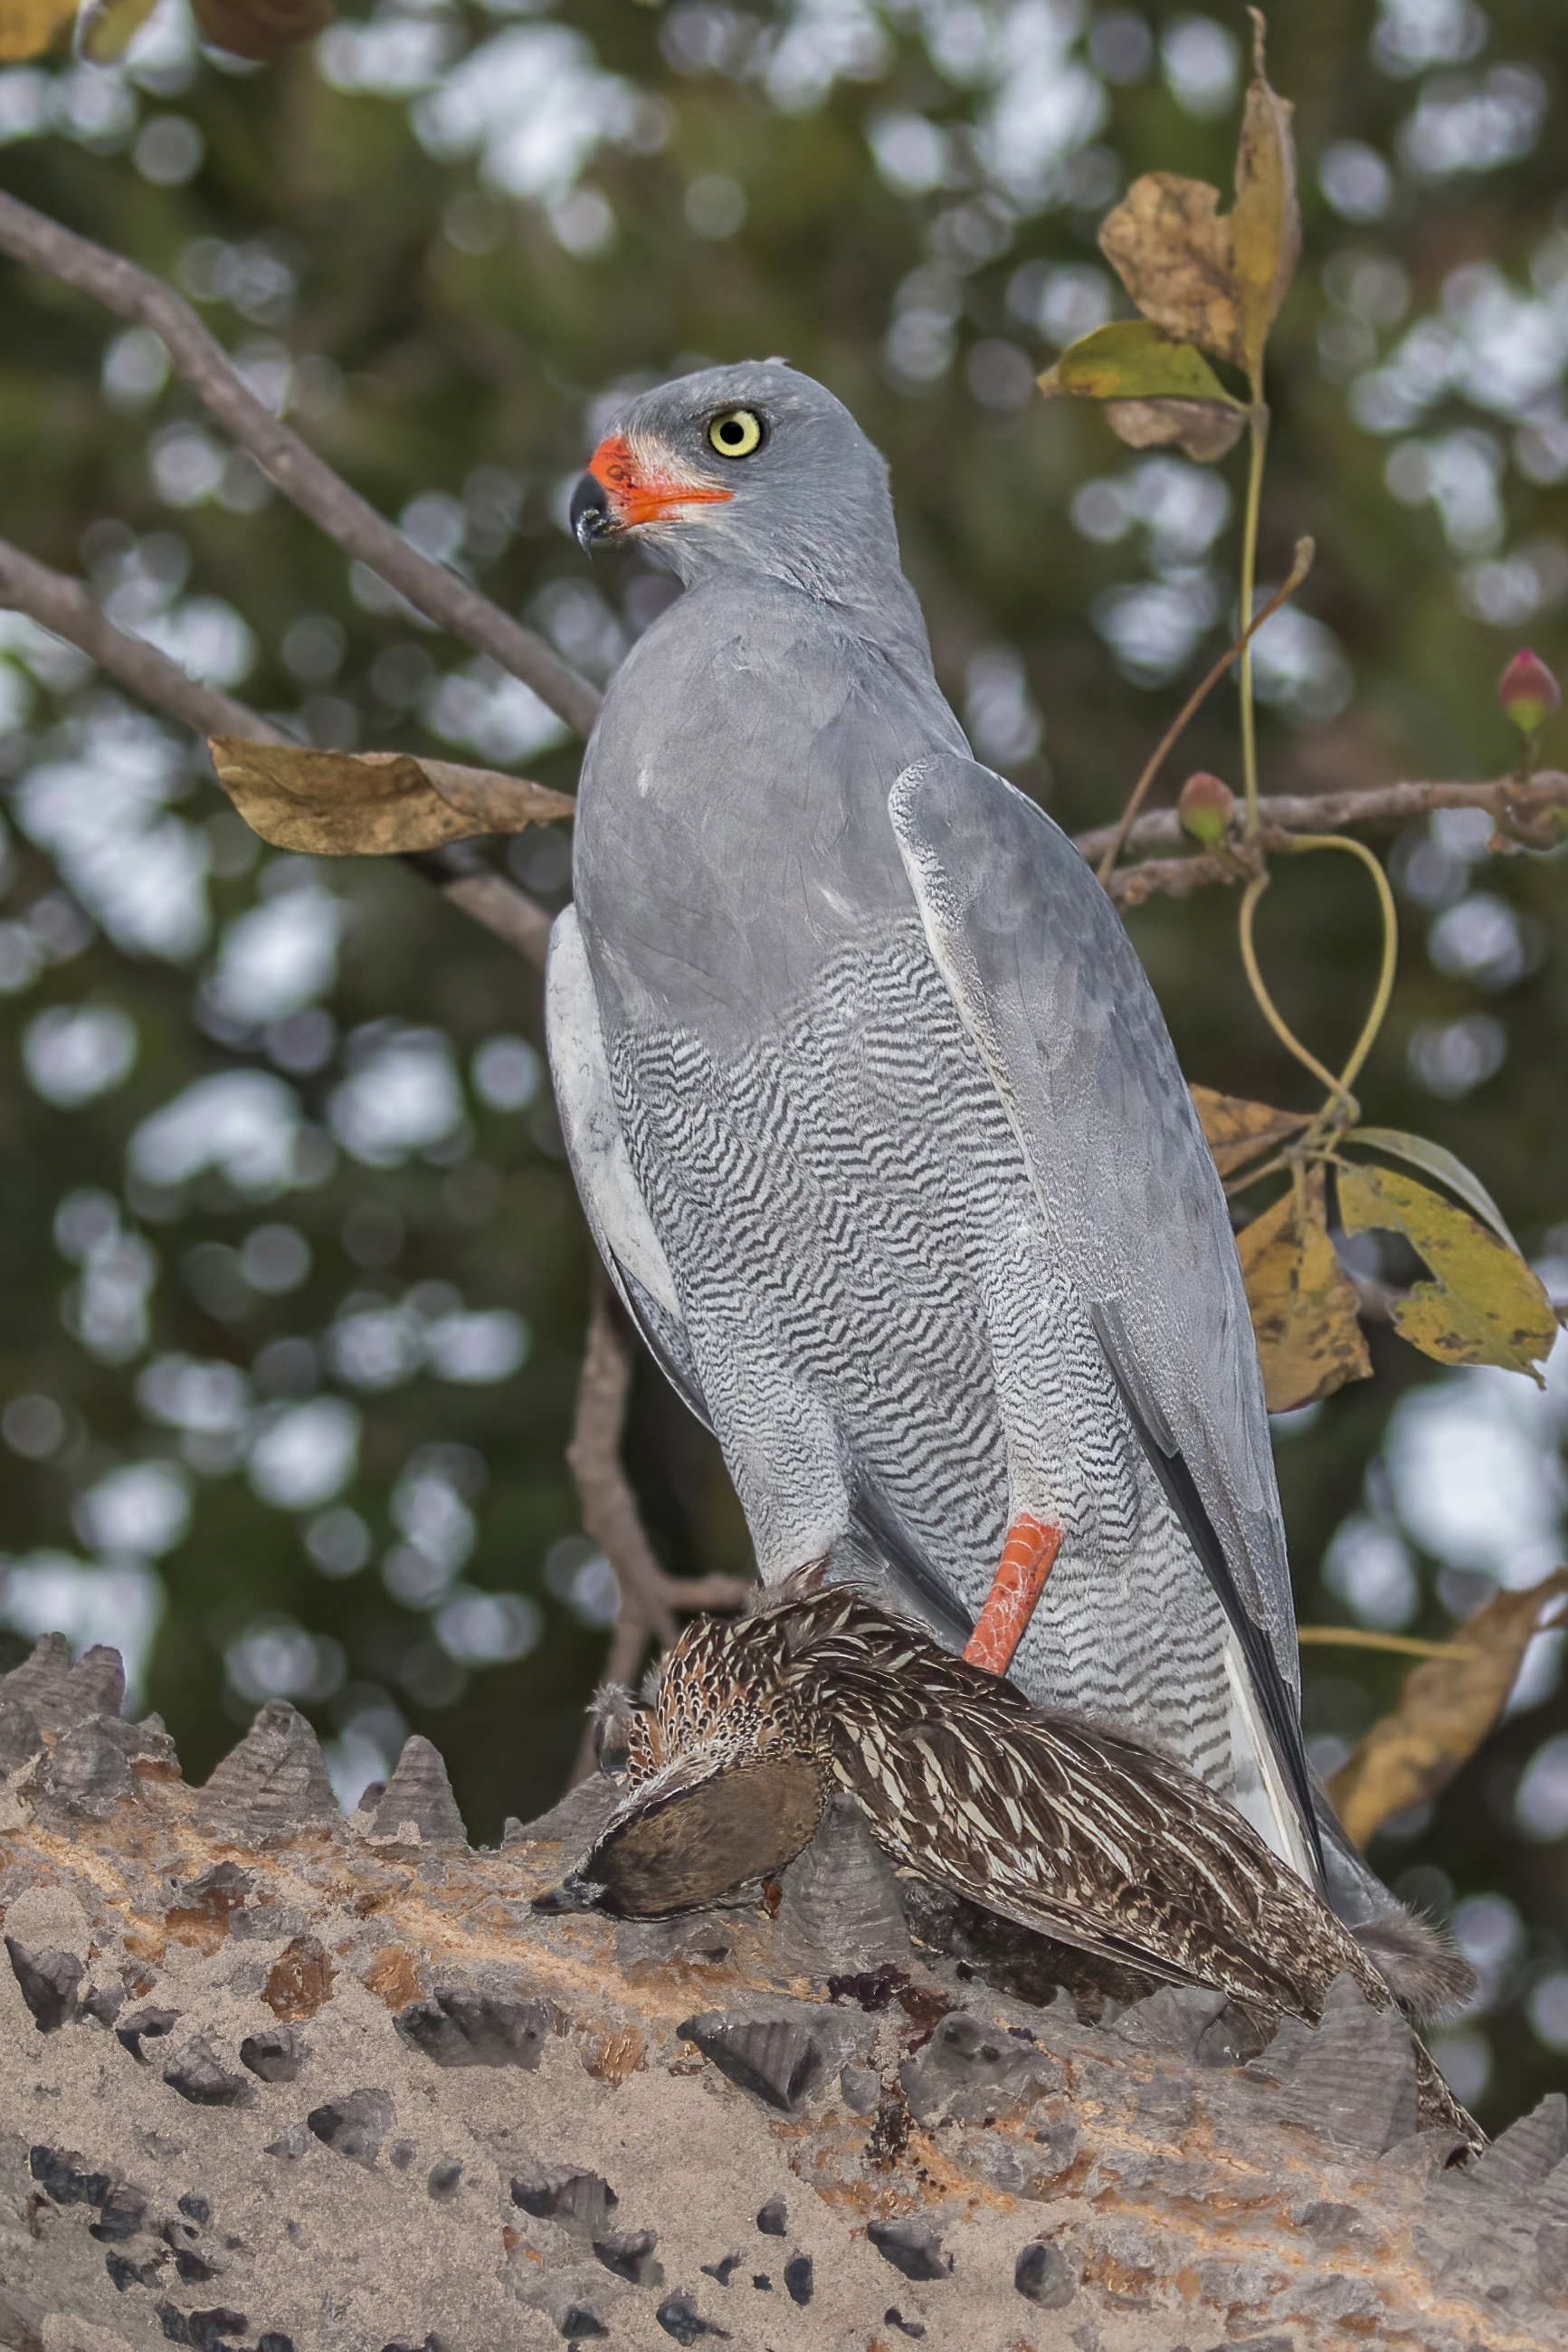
{"x": 1303, "y": 1302}
{"x": 1173, "y": 253}
{"x": 28, "y": 28}
{"x": 372, "y": 804}
{"x": 1206, "y": 279}
{"x": 259, "y": 28}
{"x": 1445, "y": 1709}
{"x": 1204, "y": 430}
{"x": 1237, "y": 1132}
{"x": 1266, "y": 223}
{"x": 1484, "y": 1304}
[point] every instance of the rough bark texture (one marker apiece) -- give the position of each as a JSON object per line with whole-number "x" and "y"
{"x": 269, "y": 2079}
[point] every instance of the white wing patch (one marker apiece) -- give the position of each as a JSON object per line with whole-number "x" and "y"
{"x": 616, "y": 1209}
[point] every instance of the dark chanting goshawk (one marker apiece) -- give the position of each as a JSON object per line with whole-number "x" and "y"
{"x": 883, "y": 1140}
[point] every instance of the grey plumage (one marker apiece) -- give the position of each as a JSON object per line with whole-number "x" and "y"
{"x": 879, "y": 1130}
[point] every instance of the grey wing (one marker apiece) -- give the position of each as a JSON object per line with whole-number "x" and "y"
{"x": 613, "y": 1201}
{"x": 1062, "y": 1014}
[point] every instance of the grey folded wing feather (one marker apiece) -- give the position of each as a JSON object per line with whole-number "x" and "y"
{"x": 1063, "y": 1016}
{"x": 612, "y": 1200}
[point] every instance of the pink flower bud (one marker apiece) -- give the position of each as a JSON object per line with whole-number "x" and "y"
{"x": 1528, "y": 692}
{"x": 1206, "y": 808}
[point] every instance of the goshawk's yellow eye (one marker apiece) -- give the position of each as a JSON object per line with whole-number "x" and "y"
{"x": 735, "y": 432}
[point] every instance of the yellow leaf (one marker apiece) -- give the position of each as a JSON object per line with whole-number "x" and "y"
{"x": 1266, "y": 224}
{"x": 1172, "y": 254}
{"x": 1204, "y": 430}
{"x": 374, "y": 803}
{"x": 1483, "y": 1304}
{"x": 259, "y": 28}
{"x": 1132, "y": 360}
{"x": 27, "y": 28}
{"x": 1445, "y": 1709}
{"x": 1303, "y": 1302}
{"x": 1237, "y": 1132}
{"x": 107, "y": 27}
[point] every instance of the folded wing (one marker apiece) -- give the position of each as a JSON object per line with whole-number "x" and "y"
{"x": 1063, "y": 1016}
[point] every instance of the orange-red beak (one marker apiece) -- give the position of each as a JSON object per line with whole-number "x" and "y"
{"x": 621, "y": 491}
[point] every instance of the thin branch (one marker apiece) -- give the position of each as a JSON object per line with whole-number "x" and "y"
{"x": 1306, "y": 551}
{"x": 1510, "y": 802}
{"x": 64, "y": 607}
{"x": 649, "y": 1597}
{"x": 487, "y": 897}
{"x": 440, "y": 593}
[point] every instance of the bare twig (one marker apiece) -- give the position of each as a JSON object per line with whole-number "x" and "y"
{"x": 1510, "y": 803}
{"x": 649, "y": 1597}
{"x": 1305, "y": 550}
{"x": 63, "y": 606}
{"x": 440, "y": 593}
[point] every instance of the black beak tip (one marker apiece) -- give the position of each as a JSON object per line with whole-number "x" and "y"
{"x": 572, "y": 1892}
{"x": 590, "y": 514}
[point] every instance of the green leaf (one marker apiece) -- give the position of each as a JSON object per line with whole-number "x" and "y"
{"x": 1483, "y": 1305}
{"x": 1132, "y": 360}
{"x": 1436, "y": 1161}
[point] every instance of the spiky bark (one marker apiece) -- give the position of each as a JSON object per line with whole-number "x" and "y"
{"x": 269, "y": 2078}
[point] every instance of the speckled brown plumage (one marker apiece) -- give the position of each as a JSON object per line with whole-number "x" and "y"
{"x": 1042, "y": 1820}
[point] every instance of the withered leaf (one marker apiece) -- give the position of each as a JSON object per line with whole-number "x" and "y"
{"x": 372, "y": 804}
{"x": 1215, "y": 280}
{"x": 1204, "y": 430}
{"x": 1445, "y": 1709}
{"x": 106, "y": 29}
{"x": 28, "y": 28}
{"x": 1173, "y": 253}
{"x": 1236, "y": 1130}
{"x": 1484, "y": 1304}
{"x": 1266, "y": 224}
{"x": 1303, "y": 1302}
{"x": 259, "y": 28}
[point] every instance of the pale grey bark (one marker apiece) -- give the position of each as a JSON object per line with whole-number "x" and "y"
{"x": 266, "y": 2073}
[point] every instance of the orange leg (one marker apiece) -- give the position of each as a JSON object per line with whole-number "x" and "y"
{"x": 1026, "y": 1557}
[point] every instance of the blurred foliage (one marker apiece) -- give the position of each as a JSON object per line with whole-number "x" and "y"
{"x": 443, "y": 233}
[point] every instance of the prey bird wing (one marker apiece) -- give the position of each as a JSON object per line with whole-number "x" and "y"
{"x": 1061, "y": 1013}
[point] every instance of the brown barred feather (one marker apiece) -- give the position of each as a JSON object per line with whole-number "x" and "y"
{"x": 1047, "y": 1820}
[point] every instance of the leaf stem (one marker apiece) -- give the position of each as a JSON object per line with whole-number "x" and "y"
{"x": 1267, "y": 1006}
{"x": 1390, "y": 963}
{"x": 1257, "y": 445}
{"x": 1357, "y": 1637}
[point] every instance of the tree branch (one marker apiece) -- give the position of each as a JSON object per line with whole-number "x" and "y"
{"x": 649, "y": 1597}
{"x": 439, "y": 593}
{"x": 1512, "y": 804}
{"x": 63, "y": 606}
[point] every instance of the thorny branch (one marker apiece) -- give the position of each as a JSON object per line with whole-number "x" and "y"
{"x": 443, "y": 595}
{"x": 649, "y": 1597}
